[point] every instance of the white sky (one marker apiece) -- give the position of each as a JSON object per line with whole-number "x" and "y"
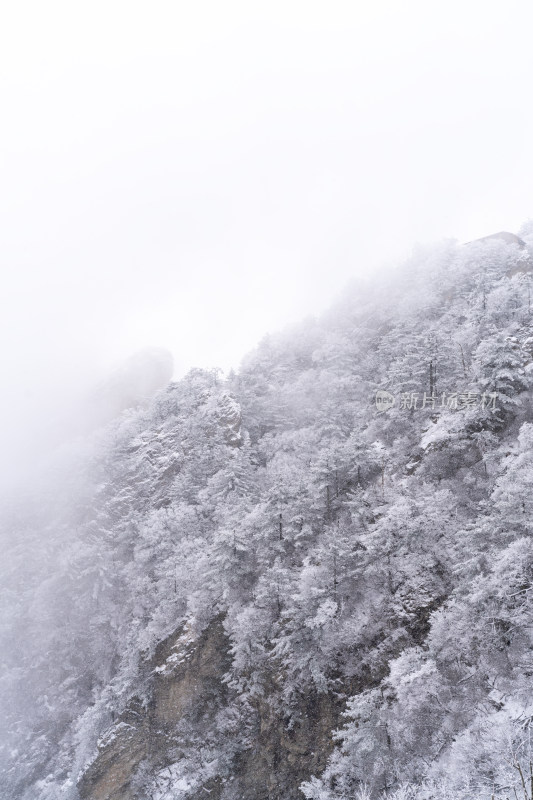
{"x": 193, "y": 174}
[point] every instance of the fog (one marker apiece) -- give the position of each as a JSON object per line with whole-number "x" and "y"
{"x": 193, "y": 175}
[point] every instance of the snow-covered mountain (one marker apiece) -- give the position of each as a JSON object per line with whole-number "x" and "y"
{"x": 311, "y": 579}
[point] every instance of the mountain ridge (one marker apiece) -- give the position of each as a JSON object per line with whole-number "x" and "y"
{"x": 361, "y": 567}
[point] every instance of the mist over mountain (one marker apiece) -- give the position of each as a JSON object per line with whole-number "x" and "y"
{"x": 309, "y": 578}
{"x": 133, "y": 383}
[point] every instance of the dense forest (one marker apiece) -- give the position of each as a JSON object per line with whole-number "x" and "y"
{"x": 311, "y": 578}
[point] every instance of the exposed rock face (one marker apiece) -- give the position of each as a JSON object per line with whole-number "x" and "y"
{"x": 284, "y": 757}
{"x": 187, "y": 686}
{"x": 504, "y": 236}
{"x": 186, "y": 682}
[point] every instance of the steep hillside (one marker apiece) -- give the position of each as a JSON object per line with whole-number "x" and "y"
{"x": 271, "y": 586}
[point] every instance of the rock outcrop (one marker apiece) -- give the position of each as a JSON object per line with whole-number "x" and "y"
{"x": 186, "y": 683}
{"x": 186, "y": 689}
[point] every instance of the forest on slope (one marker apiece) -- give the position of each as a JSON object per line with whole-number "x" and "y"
{"x": 379, "y": 559}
